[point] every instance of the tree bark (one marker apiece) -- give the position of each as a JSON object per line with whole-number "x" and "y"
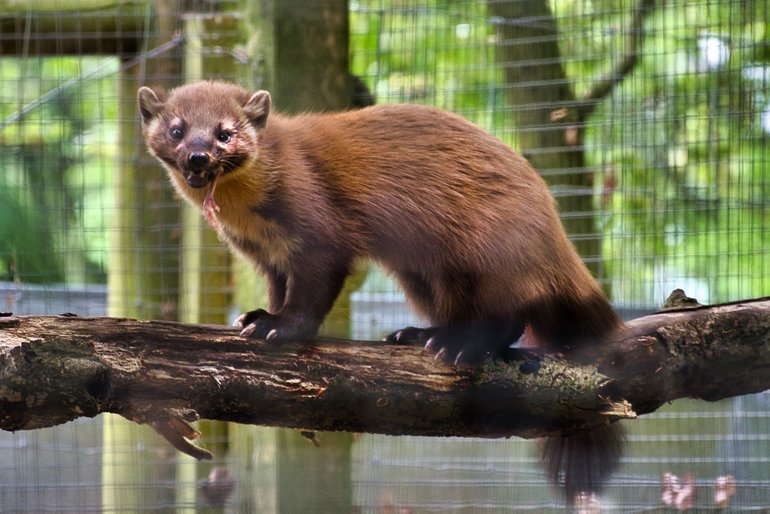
{"x": 542, "y": 101}
{"x": 313, "y": 37}
{"x": 304, "y": 51}
{"x": 55, "y": 369}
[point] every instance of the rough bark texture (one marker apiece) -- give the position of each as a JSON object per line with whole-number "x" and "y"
{"x": 55, "y": 369}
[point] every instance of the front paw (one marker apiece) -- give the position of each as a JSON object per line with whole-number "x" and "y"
{"x": 256, "y": 324}
{"x": 411, "y": 336}
{"x": 260, "y": 324}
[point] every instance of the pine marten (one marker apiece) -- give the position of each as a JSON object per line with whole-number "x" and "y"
{"x": 464, "y": 223}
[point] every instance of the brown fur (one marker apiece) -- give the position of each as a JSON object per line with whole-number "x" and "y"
{"x": 463, "y": 222}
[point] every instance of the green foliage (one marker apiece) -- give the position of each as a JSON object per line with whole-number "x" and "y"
{"x": 25, "y": 243}
{"x": 680, "y": 155}
{"x": 437, "y": 52}
{"x": 58, "y": 134}
{"x": 681, "y": 138}
{"x": 679, "y": 150}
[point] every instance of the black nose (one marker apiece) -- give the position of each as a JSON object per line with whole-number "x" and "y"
{"x": 198, "y": 160}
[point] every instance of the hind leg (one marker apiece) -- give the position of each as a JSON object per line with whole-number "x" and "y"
{"x": 472, "y": 343}
{"x": 462, "y": 331}
{"x": 468, "y": 342}
{"x": 475, "y": 341}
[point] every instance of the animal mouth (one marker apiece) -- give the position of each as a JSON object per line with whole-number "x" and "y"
{"x": 199, "y": 180}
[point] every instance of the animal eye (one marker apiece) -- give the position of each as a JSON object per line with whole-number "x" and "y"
{"x": 224, "y": 136}
{"x": 176, "y": 133}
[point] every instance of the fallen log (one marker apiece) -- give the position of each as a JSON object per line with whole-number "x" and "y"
{"x": 56, "y": 369}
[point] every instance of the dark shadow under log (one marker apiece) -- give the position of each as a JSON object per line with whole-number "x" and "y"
{"x": 55, "y": 369}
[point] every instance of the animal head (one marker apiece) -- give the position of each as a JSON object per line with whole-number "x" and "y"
{"x": 203, "y": 130}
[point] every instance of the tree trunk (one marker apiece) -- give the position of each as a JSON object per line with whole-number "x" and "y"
{"x": 311, "y": 56}
{"x": 144, "y": 257}
{"x": 542, "y": 103}
{"x": 550, "y": 120}
{"x": 307, "y": 65}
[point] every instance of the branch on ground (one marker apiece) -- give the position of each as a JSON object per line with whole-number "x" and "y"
{"x": 56, "y": 369}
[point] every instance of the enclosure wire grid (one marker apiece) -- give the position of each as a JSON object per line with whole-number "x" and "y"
{"x": 662, "y": 180}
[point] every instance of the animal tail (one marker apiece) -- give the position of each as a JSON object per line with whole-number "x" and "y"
{"x": 576, "y": 321}
{"x": 583, "y": 462}
{"x": 572, "y": 323}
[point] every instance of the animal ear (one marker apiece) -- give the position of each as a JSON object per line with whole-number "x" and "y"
{"x": 257, "y": 108}
{"x": 150, "y": 104}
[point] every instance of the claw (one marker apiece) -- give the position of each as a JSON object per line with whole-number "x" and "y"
{"x": 392, "y": 338}
{"x": 464, "y": 343}
{"x": 410, "y": 335}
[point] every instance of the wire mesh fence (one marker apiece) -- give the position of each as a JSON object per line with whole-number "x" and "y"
{"x": 649, "y": 120}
